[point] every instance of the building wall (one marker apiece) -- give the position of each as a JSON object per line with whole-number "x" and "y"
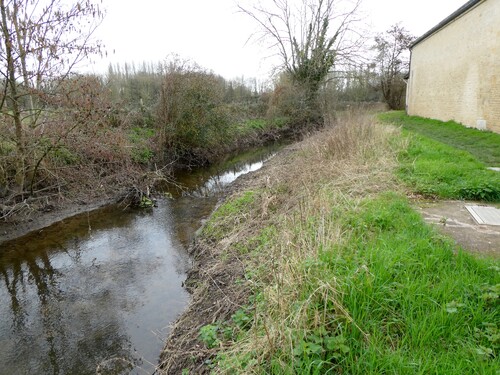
{"x": 455, "y": 73}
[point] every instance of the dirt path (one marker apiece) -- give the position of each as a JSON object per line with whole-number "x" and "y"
{"x": 453, "y": 219}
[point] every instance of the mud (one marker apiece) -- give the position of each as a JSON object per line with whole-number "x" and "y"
{"x": 37, "y": 219}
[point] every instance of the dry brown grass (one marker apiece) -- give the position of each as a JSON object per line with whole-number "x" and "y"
{"x": 297, "y": 194}
{"x": 335, "y": 168}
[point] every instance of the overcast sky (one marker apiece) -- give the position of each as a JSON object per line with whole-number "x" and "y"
{"x": 214, "y": 34}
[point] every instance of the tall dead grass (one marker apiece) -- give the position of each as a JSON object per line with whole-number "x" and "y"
{"x": 270, "y": 244}
{"x": 329, "y": 173}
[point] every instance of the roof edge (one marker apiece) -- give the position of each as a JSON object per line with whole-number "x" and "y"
{"x": 463, "y": 9}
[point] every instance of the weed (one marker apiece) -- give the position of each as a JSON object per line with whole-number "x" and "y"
{"x": 208, "y": 335}
{"x": 242, "y": 319}
{"x": 146, "y": 202}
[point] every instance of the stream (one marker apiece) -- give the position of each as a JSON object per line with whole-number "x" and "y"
{"x": 96, "y": 293}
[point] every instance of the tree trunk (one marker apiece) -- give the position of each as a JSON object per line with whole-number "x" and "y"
{"x": 13, "y": 103}
{"x": 21, "y": 40}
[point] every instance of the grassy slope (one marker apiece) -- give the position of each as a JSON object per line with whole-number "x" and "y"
{"x": 447, "y": 159}
{"x": 344, "y": 276}
{"x": 485, "y": 146}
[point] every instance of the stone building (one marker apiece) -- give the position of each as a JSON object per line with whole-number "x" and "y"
{"x": 455, "y": 68}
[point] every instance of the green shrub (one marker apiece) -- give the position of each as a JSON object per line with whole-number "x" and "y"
{"x": 192, "y": 110}
{"x": 141, "y": 139}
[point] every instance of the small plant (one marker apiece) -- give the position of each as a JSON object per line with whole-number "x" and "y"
{"x": 319, "y": 350}
{"x": 484, "y": 191}
{"x": 491, "y": 294}
{"x": 242, "y": 318}
{"x": 208, "y": 335}
{"x": 146, "y": 202}
{"x": 489, "y": 333}
{"x": 453, "y": 307}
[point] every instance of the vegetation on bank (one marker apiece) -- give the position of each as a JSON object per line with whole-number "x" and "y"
{"x": 131, "y": 128}
{"x": 340, "y": 274}
{"x": 448, "y": 160}
{"x": 65, "y": 136}
{"x": 98, "y": 135}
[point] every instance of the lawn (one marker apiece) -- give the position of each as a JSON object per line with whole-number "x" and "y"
{"x": 484, "y": 145}
{"x": 447, "y": 160}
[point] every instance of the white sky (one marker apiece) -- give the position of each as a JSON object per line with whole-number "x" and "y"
{"x": 214, "y": 34}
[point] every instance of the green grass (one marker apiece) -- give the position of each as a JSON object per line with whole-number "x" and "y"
{"x": 434, "y": 165}
{"x": 393, "y": 299}
{"x": 232, "y": 212}
{"x": 425, "y": 308}
{"x": 259, "y": 126}
{"x": 345, "y": 277}
{"x": 484, "y": 145}
{"x": 433, "y": 168}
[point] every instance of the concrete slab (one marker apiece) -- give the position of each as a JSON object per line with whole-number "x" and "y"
{"x": 454, "y": 220}
{"x": 485, "y": 214}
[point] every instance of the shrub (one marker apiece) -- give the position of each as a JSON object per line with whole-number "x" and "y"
{"x": 293, "y": 102}
{"x": 192, "y": 111}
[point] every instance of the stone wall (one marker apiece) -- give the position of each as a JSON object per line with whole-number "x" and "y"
{"x": 455, "y": 72}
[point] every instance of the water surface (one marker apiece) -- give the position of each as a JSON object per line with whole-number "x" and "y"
{"x": 96, "y": 293}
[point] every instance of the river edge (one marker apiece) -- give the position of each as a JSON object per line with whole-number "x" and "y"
{"x": 62, "y": 216}
{"x": 51, "y": 213}
{"x": 39, "y": 220}
{"x": 214, "y": 282}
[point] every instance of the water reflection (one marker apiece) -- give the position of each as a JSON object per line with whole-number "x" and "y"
{"x": 95, "y": 293}
{"x": 216, "y": 184}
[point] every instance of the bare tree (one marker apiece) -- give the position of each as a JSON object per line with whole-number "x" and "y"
{"x": 393, "y": 60}
{"x": 309, "y": 36}
{"x": 40, "y": 43}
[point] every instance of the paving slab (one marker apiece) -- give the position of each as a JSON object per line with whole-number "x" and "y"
{"x": 484, "y": 214}
{"x": 453, "y": 219}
